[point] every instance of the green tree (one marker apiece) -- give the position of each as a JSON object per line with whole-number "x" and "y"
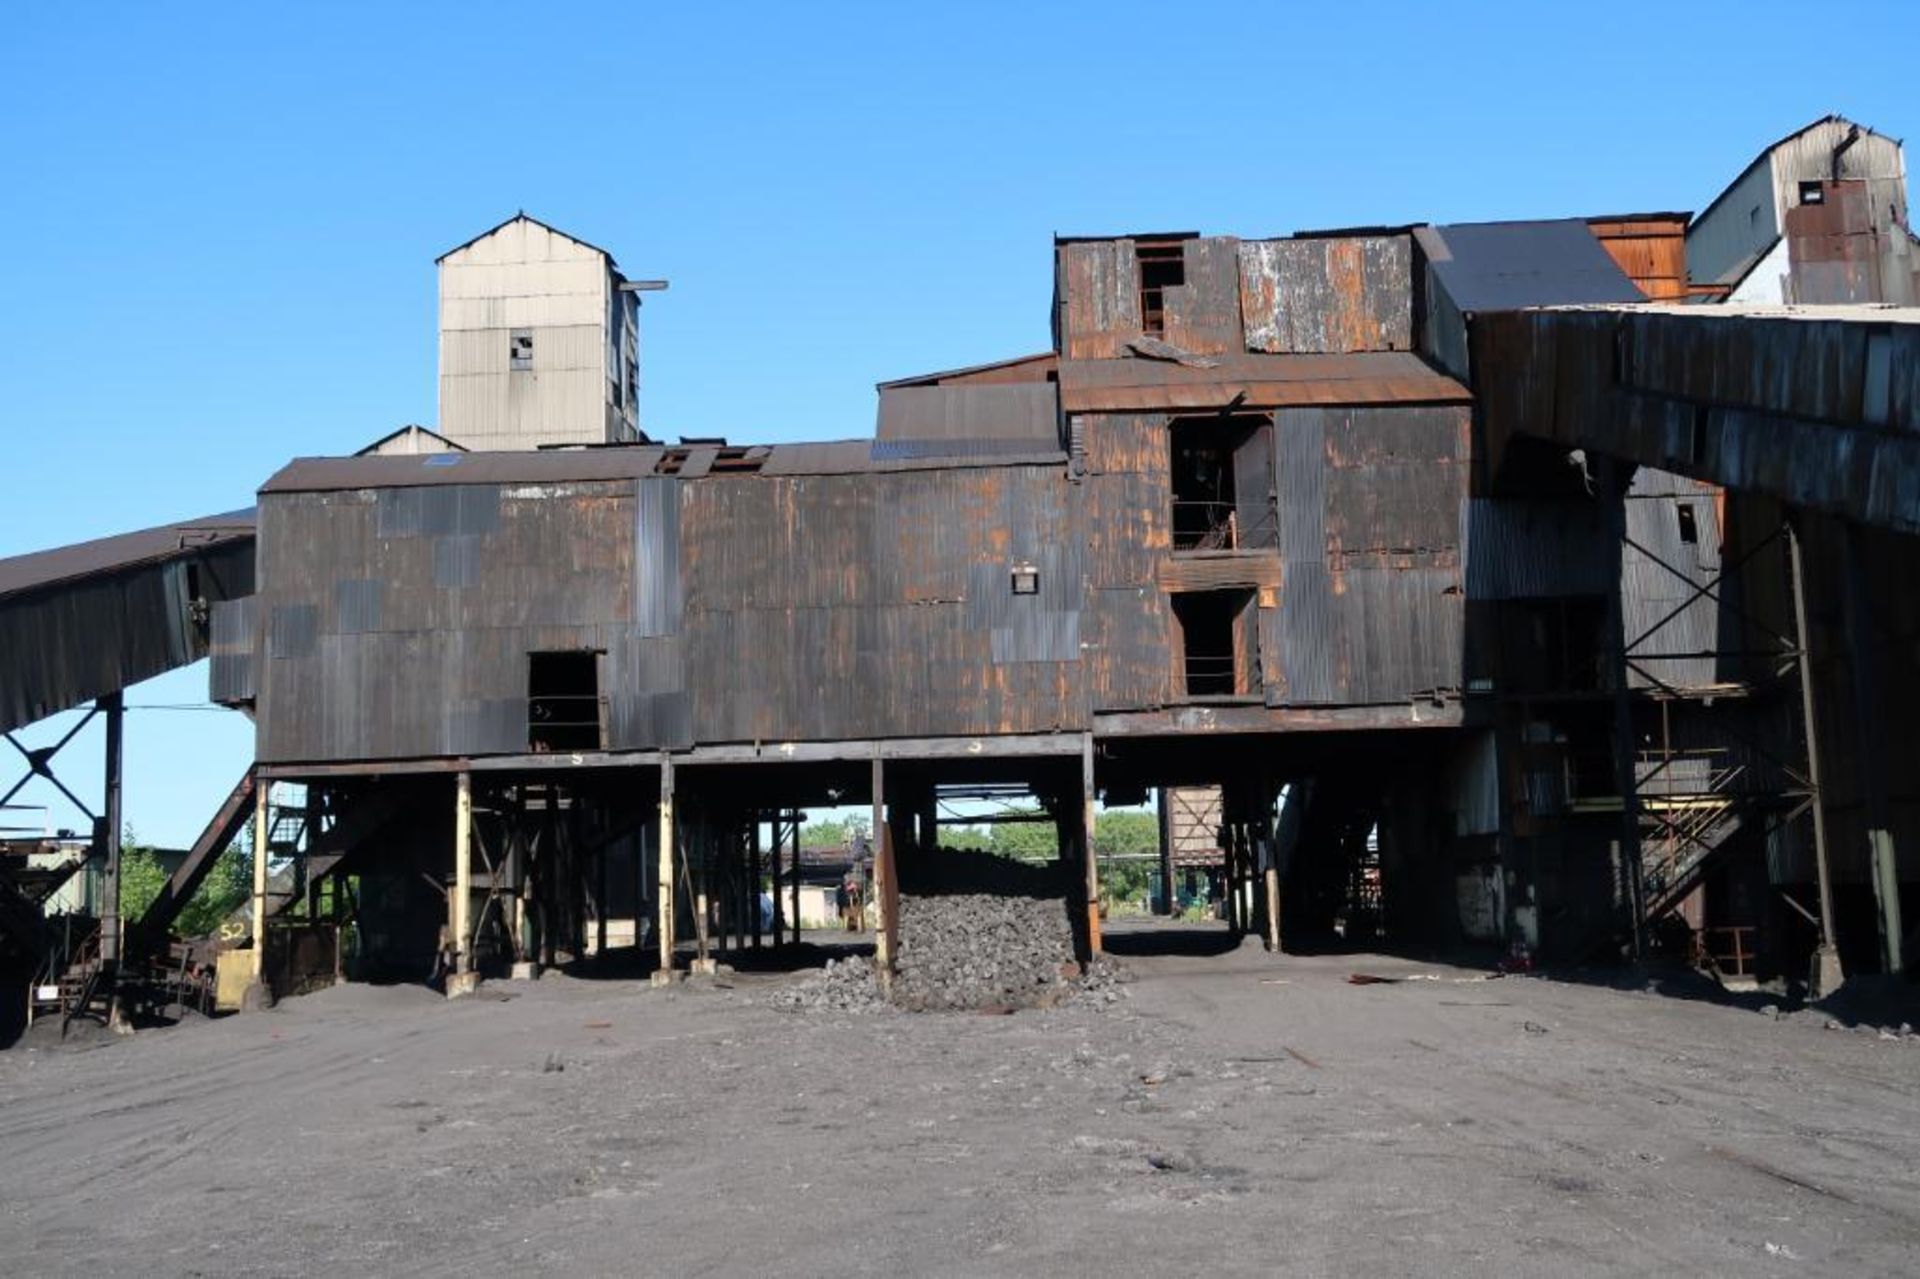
{"x": 224, "y": 890}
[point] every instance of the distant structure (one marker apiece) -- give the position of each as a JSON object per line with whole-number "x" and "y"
{"x": 539, "y": 341}
{"x": 410, "y": 441}
{"x": 1819, "y": 217}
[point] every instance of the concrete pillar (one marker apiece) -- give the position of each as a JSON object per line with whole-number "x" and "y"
{"x": 663, "y": 907}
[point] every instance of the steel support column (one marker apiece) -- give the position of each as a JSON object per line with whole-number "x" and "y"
{"x": 1828, "y": 972}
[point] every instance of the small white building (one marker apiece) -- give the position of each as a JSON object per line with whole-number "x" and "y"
{"x": 539, "y": 341}
{"x": 1821, "y": 216}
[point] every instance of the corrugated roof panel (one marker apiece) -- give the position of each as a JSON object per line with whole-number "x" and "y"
{"x": 1254, "y": 381}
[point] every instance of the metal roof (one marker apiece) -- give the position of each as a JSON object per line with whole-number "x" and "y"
{"x": 565, "y": 466}
{"x": 1045, "y": 358}
{"x": 123, "y": 551}
{"x": 524, "y": 216}
{"x": 1505, "y": 266}
{"x": 1255, "y": 381}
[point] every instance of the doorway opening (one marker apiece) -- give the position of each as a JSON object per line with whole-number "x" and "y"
{"x": 563, "y": 701}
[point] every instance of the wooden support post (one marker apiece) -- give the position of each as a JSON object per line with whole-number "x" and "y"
{"x": 777, "y": 880}
{"x": 262, "y": 825}
{"x": 112, "y": 929}
{"x": 663, "y": 908}
{"x": 1828, "y": 973}
{"x": 1613, "y": 492}
{"x": 793, "y": 879}
{"x": 1090, "y": 861}
{"x": 1164, "y": 813}
{"x": 885, "y": 889}
{"x": 753, "y": 876}
{"x": 463, "y": 979}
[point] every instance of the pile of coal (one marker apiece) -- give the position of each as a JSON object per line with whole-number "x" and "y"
{"x": 843, "y": 986}
{"x": 983, "y": 950}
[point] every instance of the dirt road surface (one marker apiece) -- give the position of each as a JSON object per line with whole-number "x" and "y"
{"x": 1237, "y": 1113}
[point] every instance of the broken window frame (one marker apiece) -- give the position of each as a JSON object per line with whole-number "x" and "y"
{"x": 520, "y": 351}
{"x": 1160, "y": 265}
{"x": 1213, "y": 675}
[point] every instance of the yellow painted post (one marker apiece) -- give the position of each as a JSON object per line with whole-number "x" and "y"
{"x": 262, "y": 822}
{"x": 663, "y": 908}
{"x": 463, "y": 979}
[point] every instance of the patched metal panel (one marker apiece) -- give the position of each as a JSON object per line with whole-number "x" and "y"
{"x": 439, "y": 510}
{"x": 1673, "y": 557}
{"x": 1327, "y": 296}
{"x": 1203, "y": 314}
{"x": 456, "y": 561}
{"x": 657, "y": 598}
{"x": 357, "y": 605}
{"x": 292, "y": 629}
{"x": 231, "y": 646}
{"x": 1102, "y": 297}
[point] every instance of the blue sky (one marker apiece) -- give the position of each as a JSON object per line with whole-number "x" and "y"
{"x": 220, "y": 221}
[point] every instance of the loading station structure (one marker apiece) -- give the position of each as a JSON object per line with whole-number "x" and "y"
{"x": 1522, "y": 588}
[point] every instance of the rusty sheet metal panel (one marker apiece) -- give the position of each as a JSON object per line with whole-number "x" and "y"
{"x": 827, "y": 607}
{"x": 232, "y": 643}
{"x": 1651, "y": 249}
{"x": 435, "y": 662}
{"x": 1203, "y": 315}
{"x": 1129, "y": 645}
{"x": 1327, "y": 296}
{"x": 990, "y": 411}
{"x": 1129, "y": 528}
{"x": 1102, "y": 298}
{"x": 1254, "y": 382}
{"x": 1133, "y": 444}
{"x": 1370, "y": 607}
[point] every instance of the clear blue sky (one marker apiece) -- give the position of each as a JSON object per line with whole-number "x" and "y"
{"x": 219, "y": 222}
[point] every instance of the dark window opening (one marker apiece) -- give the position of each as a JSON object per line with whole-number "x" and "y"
{"x": 1559, "y": 648}
{"x": 520, "y": 350}
{"x": 1222, "y": 483}
{"x": 1812, "y": 193}
{"x": 1217, "y": 650}
{"x": 1162, "y": 267}
{"x": 1689, "y": 531}
{"x": 563, "y": 701}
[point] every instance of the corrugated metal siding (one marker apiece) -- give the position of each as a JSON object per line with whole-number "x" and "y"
{"x": 1662, "y": 608}
{"x": 1203, "y": 315}
{"x": 968, "y": 411}
{"x": 1327, "y": 296}
{"x": 657, "y": 591}
{"x": 1371, "y": 605}
{"x": 1535, "y": 550}
{"x": 232, "y": 641}
{"x": 71, "y": 640}
{"x": 1102, "y": 298}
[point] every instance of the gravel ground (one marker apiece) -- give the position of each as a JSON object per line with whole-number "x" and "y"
{"x": 1238, "y": 1113}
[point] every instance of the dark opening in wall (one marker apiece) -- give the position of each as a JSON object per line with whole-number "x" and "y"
{"x": 1162, "y": 266}
{"x": 1222, "y": 480}
{"x": 563, "y": 701}
{"x": 1217, "y": 645}
{"x": 1689, "y": 530}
